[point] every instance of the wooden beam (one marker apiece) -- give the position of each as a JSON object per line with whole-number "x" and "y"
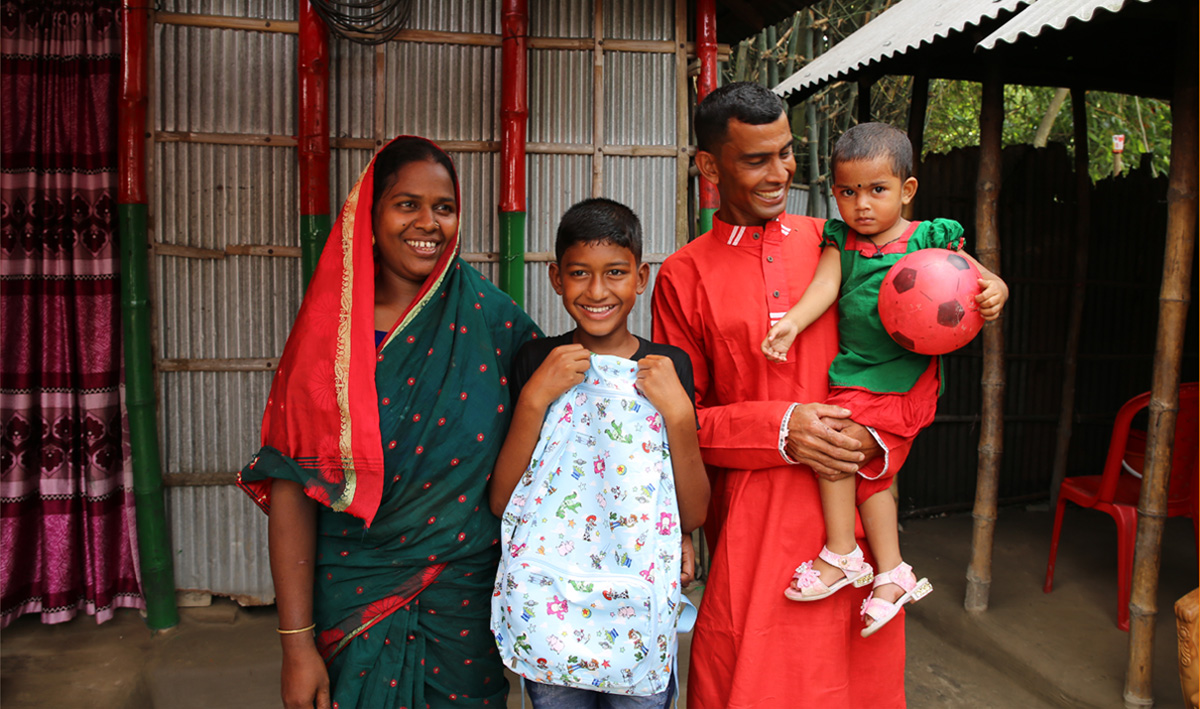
{"x": 474, "y": 39}
{"x": 225, "y": 22}
{"x": 682, "y": 114}
{"x": 1174, "y": 299}
{"x": 1083, "y": 216}
{"x": 864, "y": 100}
{"x": 274, "y": 141}
{"x": 598, "y": 98}
{"x": 217, "y": 365}
{"x": 991, "y": 434}
{"x": 198, "y": 479}
{"x": 916, "y": 129}
{"x": 163, "y": 249}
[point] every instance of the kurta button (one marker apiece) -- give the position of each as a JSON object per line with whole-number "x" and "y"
{"x": 776, "y": 294}
{"x": 770, "y": 259}
{"x": 755, "y": 235}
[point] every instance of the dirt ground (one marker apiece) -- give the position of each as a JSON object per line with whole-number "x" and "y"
{"x": 1029, "y": 649}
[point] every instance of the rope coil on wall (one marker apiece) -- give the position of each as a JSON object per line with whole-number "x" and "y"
{"x": 364, "y": 21}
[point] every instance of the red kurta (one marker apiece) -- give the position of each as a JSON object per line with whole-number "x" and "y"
{"x": 753, "y": 647}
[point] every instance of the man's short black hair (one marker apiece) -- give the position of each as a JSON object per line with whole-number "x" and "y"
{"x": 870, "y": 141}
{"x": 599, "y": 220}
{"x": 746, "y": 101}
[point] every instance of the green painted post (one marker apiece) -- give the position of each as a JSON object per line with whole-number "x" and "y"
{"x": 512, "y": 255}
{"x": 158, "y": 572}
{"x": 314, "y": 229}
{"x": 706, "y": 219}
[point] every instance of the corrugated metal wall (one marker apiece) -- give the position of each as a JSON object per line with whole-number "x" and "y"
{"x": 225, "y": 231}
{"x": 224, "y": 212}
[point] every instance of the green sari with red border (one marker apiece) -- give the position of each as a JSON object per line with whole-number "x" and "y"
{"x": 397, "y": 444}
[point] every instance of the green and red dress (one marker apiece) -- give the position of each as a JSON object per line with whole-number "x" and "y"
{"x": 396, "y": 442}
{"x": 885, "y": 386}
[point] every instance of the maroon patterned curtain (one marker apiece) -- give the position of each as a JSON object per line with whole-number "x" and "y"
{"x": 67, "y": 536}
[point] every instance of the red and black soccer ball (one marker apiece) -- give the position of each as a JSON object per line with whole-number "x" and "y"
{"x": 927, "y": 301}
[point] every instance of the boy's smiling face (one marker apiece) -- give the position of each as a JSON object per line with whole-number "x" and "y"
{"x": 599, "y": 283}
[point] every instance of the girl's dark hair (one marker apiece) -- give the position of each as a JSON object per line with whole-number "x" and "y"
{"x": 746, "y": 101}
{"x": 402, "y": 151}
{"x": 870, "y": 141}
{"x": 599, "y": 220}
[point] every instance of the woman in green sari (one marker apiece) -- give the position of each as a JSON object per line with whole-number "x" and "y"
{"x": 384, "y": 420}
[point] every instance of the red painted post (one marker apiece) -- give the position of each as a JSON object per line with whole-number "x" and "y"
{"x": 131, "y": 115}
{"x": 514, "y": 114}
{"x": 313, "y": 139}
{"x": 706, "y": 52}
{"x": 153, "y": 534}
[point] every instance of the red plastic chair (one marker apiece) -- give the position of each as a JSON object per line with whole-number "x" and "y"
{"x": 1116, "y": 491}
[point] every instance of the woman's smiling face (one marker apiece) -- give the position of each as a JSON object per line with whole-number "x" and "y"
{"x": 414, "y": 219}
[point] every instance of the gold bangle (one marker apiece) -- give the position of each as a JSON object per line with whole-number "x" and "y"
{"x": 305, "y": 629}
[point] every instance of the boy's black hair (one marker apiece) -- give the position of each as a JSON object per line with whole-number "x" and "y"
{"x": 746, "y": 101}
{"x": 869, "y": 141}
{"x": 599, "y": 220}
{"x": 402, "y": 151}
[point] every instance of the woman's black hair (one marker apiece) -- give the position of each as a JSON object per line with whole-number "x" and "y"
{"x": 599, "y": 220}
{"x": 402, "y": 151}
{"x": 746, "y": 101}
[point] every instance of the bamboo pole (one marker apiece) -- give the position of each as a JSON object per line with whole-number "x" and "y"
{"x": 514, "y": 117}
{"x": 795, "y": 113}
{"x": 153, "y": 532}
{"x": 312, "y": 68}
{"x": 1174, "y": 298}
{"x": 740, "y": 64}
{"x": 1083, "y": 211}
{"x": 793, "y": 47}
{"x": 761, "y": 60}
{"x": 772, "y": 39}
{"x": 706, "y": 83}
{"x": 815, "y": 207}
{"x": 991, "y": 436}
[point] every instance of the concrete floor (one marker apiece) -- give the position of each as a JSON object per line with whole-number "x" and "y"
{"x": 1028, "y": 650}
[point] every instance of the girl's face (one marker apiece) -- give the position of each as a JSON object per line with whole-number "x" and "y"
{"x": 414, "y": 220}
{"x": 871, "y": 197}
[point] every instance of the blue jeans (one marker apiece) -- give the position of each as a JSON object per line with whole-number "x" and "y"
{"x": 549, "y": 696}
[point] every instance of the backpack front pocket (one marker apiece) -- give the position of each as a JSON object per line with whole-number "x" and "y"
{"x": 579, "y": 629}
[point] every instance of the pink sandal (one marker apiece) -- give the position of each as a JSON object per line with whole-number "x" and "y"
{"x": 808, "y": 580}
{"x": 881, "y": 611}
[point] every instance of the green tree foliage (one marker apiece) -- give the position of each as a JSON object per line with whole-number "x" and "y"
{"x": 952, "y": 121}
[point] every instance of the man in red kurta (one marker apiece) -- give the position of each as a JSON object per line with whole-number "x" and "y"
{"x": 764, "y": 432}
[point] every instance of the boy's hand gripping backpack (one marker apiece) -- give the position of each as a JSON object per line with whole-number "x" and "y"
{"x": 587, "y": 593}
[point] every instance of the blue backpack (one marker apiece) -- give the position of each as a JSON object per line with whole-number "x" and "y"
{"x": 587, "y": 594}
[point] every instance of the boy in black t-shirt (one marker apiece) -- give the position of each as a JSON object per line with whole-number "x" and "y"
{"x": 599, "y": 275}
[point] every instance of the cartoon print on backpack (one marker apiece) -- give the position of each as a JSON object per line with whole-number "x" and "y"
{"x": 600, "y": 529}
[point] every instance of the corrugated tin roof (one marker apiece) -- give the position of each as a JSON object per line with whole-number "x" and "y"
{"x": 902, "y": 28}
{"x": 1054, "y": 14}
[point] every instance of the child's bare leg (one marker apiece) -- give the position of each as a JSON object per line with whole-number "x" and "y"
{"x": 837, "y": 504}
{"x": 879, "y": 520}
